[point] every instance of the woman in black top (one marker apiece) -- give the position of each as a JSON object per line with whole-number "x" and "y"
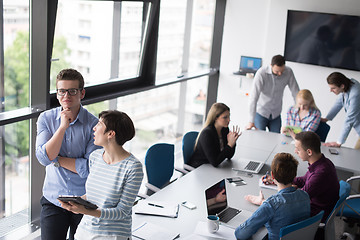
{"x": 215, "y": 142}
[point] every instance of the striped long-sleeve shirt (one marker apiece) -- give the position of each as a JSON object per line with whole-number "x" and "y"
{"x": 309, "y": 123}
{"x": 113, "y": 188}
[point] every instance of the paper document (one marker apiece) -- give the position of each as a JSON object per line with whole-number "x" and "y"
{"x": 270, "y": 186}
{"x": 157, "y": 208}
{"x": 223, "y": 233}
{"x": 151, "y": 231}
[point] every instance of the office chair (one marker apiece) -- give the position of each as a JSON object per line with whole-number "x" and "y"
{"x": 305, "y": 229}
{"x": 159, "y": 164}
{"x": 188, "y": 143}
{"x": 323, "y": 131}
{"x": 351, "y": 208}
{"x": 329, "y": 225}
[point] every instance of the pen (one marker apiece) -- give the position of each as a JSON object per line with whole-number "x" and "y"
{"x": 155, "y": 205}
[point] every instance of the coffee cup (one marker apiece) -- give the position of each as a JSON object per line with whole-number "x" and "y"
{"x": 213, "y": 223}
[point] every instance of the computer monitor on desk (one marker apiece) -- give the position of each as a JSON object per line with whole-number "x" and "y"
{"x": 248, "y": 65}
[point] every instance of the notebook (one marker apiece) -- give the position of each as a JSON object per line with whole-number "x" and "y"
{"x": 249, "y": 165}
{"x": 248, "y": 65}
{"x": 217, "y": 204}
{"x": 157, "y": 208}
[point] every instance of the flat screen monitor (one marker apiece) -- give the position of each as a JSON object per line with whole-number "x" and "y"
{"x": 324, "y": 39}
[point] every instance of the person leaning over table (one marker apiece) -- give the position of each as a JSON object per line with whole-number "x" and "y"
{"x": 63, "y": 145}
{"x": 267, "y": 92}
{"x": 304, "y": 114}
{"x": 113, "y": 183}
{"x": 286, "y": 207}
{"x": 215, "y": 142}
{"x": 348, "y": 91}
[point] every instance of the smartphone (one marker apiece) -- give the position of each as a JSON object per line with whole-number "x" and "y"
{"x": 333, "y": 151}
{"x": 188, "y": 205}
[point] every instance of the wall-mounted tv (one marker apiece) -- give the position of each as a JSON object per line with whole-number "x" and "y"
{"x": 324, "y": 39}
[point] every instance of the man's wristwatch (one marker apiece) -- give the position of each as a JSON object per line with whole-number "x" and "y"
{"x": 56, "y": 164}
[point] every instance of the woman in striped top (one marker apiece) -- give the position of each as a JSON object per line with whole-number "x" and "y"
{"x": 304, "y": 114}
{"x": 113, "y": 183}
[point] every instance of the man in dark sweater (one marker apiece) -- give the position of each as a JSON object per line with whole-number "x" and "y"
{"x": 320, "y": 181}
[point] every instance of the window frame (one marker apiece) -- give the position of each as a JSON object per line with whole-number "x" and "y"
{"x": 42, "y": 26}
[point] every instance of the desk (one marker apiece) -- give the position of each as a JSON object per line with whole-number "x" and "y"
{"x": 258, "y": 144}
{"x": 191, "y": 187}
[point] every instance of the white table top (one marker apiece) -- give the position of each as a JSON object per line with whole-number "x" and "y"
{"x": 259, "y": 145}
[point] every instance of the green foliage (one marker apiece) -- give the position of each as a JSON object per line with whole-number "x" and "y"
{"x": 16, "y": 73}
{"x": 97, "y": 108}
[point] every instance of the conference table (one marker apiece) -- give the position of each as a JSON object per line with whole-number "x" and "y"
{"x": 254, "y": 144}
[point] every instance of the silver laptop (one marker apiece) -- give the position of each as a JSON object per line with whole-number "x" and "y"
{"x": 248, "y": 165}
{"x": 217, "y": 204}
{"x": 248, "y": 65}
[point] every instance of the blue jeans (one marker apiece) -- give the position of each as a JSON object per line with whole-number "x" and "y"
{"x": 55, "y": 221}
{"x": 273, "y": 125}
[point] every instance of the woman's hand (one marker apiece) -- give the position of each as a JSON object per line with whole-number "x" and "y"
{"x": 233, "y": 135}
{"x": 73, "y": 207}
{"x": 332, "y": 144}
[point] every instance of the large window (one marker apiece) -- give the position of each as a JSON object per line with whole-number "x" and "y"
{"x": 177, "y": 42}
{"x": 14, "y": 95}
{"x": 130, "y": 53}
{"x": 91, "y": 36}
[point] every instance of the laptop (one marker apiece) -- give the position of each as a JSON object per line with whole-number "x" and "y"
{"x": 248, "y": 165}
{"x": 216, "y": 207}
{"x": 248, "y": 65}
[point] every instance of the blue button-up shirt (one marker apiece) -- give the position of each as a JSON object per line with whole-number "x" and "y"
{"x": 286, "y": 207}
{"x": 78, "y": 143}
{"x": 350, "y": 100}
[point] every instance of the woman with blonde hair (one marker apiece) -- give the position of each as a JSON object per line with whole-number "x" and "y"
{"x": 215, "y": 142}
{"x": 304, "y": 114}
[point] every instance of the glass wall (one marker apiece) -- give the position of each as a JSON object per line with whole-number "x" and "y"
{"x": 87, "y": 33}
{"x": 96, "y": 38}
{"x": 14, "y": 94}
{"x": 15, "y": 90}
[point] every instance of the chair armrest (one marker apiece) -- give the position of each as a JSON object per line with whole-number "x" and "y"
{"x": 183, "y": 171}
{"x": 353, "y": 178}
{"x": 142, "y": 195}
{"x": 355, "y": 196}
{"x": 152, "y": 187}
{"x": 188, "y": 167}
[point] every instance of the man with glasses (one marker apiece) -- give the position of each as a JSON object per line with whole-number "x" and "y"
{"x": 63, "y": 144}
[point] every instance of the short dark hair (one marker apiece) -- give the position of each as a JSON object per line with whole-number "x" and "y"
{"x": 120, "y": 123}
{"x": 309, "y": 140}
{"x": 278, "y": 60}
{"x": 338, "y": 79}
{"x": 72, "y": 75}
{"x": 284, "y": 168}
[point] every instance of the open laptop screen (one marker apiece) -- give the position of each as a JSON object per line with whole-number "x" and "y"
{"x": 250, "y": 63}
{"x": 216, "y": 200}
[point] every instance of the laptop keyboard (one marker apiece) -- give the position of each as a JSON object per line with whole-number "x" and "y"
{"x": 252, "y": 166}
{"x": 228, "y": 214}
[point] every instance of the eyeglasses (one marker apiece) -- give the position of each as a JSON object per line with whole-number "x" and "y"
{"x": 71, "y": 91}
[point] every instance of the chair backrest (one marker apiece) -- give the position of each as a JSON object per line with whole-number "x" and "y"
{"x": 188, "y": 143}
{"x": 305, "y": 229}
{"x": 159, "y": 164}
{"x": 323, "y": 131}
{"x": 344, "y": 192}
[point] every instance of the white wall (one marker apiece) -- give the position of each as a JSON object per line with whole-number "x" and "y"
{"x": 257, "y": 28}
